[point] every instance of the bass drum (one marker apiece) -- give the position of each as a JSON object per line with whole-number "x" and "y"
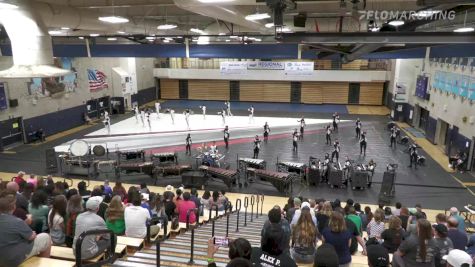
{"x": 79, "y": 148}
{"x": 99, "y": 150}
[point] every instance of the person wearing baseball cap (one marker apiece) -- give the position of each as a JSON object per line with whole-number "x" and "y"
{"x": 378, "y": 256}
{"x": 92, "y": 246}
{"x": 458, "y": 258}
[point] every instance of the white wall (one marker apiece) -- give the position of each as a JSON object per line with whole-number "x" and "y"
{"x": 17, "y": 88}
{"x": 274, "y": 75}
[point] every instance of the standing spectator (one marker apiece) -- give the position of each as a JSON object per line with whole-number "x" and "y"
{"x": 404, "y": 216}
{"x": 184, "y": 206}
{"x": 271, "y": 253}
{"x": 376, "y": 225}
{"x": 196, "y": 199}
{"x": 291, "y": 211}
{"x": 351, "y": 215}
{"x": 158, "y": 206}
{"x": 368, "y": 216}
{"x": 18, "y": 242}
{"x": 19, "y": 178}
{"x": 454, "y": 212}
{"x": 82, "y": 189}
{"x": 32, "y": 180}
{"x": 323, "y": 216}
{"x": 304, "y": 236}
{"x": 418, "y": 250}
{"x": 458, "y": 258}
{"x": 92, "y": 246}
{"x": 276, "y": 220}
{"x": 239, "y": 248}
{"x": 289, "y": 204}
{"x": 120, "y": 191}
{"x": 337, "y": 235}
{"x": 115, "y": 216}
{"x": 73, "y": 209}
{"x": 56, "y": 220}
{"x": 397, "y": 210}
{"x": 205, "y": 199}
{"x": 394, "y": 235}
{"x": 458, "y": 238}
{"x": 377, "y": 256}
{"x": 38, "y": 209}
{"x": 136, "y": 218}
{"x": 443, "y": 243}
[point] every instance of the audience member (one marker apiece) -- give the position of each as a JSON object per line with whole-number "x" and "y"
{"x": 114, "y": 216}
{"x": 299, "y": 211}
{"x": 291, "y": 210}
{"x": 458, "y": 258}
{"x": 28, "y": 191}
{"x": 195, "y": 198}
{"x": 92, "y": 246}
{"x": 443, "y": 244}
{"x": 217, "y": 199}
{"x": 471, "y": 245}
{"x": 184, "y": 206}
{"x": 82, "y": 189}
{"x": 394, "y": 235}
{"x": 376, "y": 225}
{"x": 337, "y": 235}
{"x": 239, "y": 248}
{"x": 417, "y": 250}
{"x": 440, "y": 218}
{"x": 387, "y": 213}
{"x": 136, "y": 218}
{"x": 454, "y": 212}
{"x": 368, "y": 214}
{"x": 38, "y": 209}
{"x": 144, "y": 189}
{"x": 351, "y": 215}
{"x": 170, "y": 205}
{"x": 459, "y": 239}
{"x": 275, "y": 219}
{"x": 107, "y": 189}
{"x": 323, "y": 216}
{"x": 73, "y": 209}
{"x": 18, "y": 242}
{"x": 326, "y": 256}
{"x": 412, "y": 227}
{"x": 205, "y": 200}
{"x": 419, "y": 210}
{"x": 19, "y": 178}
{"x": 304, "y": 236}
{"x": 32, "y": 180}
{"x": 378, "y": 256}
{"x": 119, "y": 190}
{"x": 97, "y": 192}
{"x": 56, "y": 220}
{"x": 397, "y": 210}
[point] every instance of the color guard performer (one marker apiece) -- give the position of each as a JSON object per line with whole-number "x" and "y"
{"x": 188, "y": 144}
{"x": 157, "y": 109}
{"x": 107, "y": 124}
{"x": 142, "y": 117}
{"x": 336, "y": 120}
{"x": 137, "y": 113}
{"x": 295, "y": 138}
{"x": 257, "y": 147}
{"x": 223, "y": 116}
{"x": 251, "y": 114}
{"x": 172, "y": 114}
{"x": 203, "y": 110}
{"x": 413, "y": 155}
{"x": 336, "y": 150}
{"x": 228, "y": 108}
{"x": 187, "y": 114}
{"x": 266, "y": 132}
{"x": 328, "y": 135}
{"x": 358, "y": 128}
{"x": 302, "y": 126}
{"x": 363, "y": 143}
{"x": 226, "y": 136}
{"x": 393, "y": 137}
{"x": 148, "y": 115}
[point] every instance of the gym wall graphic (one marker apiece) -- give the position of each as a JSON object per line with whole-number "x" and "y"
{"x": 44, "y": 87}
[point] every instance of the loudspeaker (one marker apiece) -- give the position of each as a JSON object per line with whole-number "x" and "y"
{"x": 313, "y": 176}
{"x": 387, "y": 186}
{"x": 51, "y": 162}
{"x": 299, "y": 20}
{"x": 13, "y": 103}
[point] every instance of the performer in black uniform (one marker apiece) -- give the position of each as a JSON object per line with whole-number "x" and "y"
{"x": 226, "y": 136}
{"x": 257, "y": 147}
{"x": 413, "y": 156}
{"x": 328, "y": 135}
{"x": 294, "y": 140}
{"x": 336, "y": 119}
{"x": 358, "y": 128}
{"x": 393, "y": 137}
{"x": 188, "y": 144}
{"x": 326, "y": 163}
{"x": 363, "y": 143}
{"x": 336, "y": 150}
{"x": 302, "y": 126}
{"x": 266, "y": 132}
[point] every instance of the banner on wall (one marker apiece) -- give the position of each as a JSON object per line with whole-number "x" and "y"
{"x": 454, "y": 83}
{"x": 43, "y": 87}
{"x": 3, "y": 97}
{"x": 265, "y": 65}
{"x": 290, "y": 68}
{"x": 97, "y": 80}
{"x": 233, "y": 67}
{"x": 299, "y": 68}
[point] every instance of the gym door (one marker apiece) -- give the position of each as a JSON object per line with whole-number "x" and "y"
{"x": 424, "y": 118}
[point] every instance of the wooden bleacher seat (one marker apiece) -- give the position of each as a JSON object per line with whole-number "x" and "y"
{"x": 46, "y": 262}
{"x": 66, "y": 253}
{"x": 130, "y": 241}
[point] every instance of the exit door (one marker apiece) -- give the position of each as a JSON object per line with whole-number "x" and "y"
{"x": 354, "y": 93}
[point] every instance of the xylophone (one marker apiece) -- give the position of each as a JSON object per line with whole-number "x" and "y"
{"x": 293, "y": 167}
{"x": 79, "y": 166}
{"x": 139, "y": 167}
{"x": 175, "y": 169}
{"x": 131, "y": 155}
{"x": 246, "y": 163}
{"x": 282, "y": 181}
{"x": 229, "y": 177}
{"x": 165, "y": 158}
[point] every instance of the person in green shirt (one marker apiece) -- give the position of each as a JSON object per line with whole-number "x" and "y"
{"x": 354, "y": 218}
{"x": 115, "y": 216}
{"x": 38, "y": 209}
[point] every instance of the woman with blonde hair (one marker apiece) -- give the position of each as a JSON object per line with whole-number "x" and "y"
{"x": 376, "y": 225}
{"x": 304, "y": 236}
{"x": 323, "y": 216}
{"x": 394, "y": 235}
{"x": 115, "y": 216}
{"x": 338, "y": 236}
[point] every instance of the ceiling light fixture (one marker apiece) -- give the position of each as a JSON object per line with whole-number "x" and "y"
{"x": 215, "y": 1}
{"x": 8, "y": 6}
{"x": 257, "y": 16}
{"x": 120, "y": 32}
{"x": 465, "y": 29}
{"x": 166, "y": 26}
{"x": 65, "y": 28}
{"x": 111, "y": 39}
{"x": 269, "y": 25}
{"x": 396, "y": 23}
{"x": 81, "y": 37}
{"x": 114, "y": 19}
{"x": 55, "y": 32}
{"x": 94, "y": 34}
{"x": 195, "y": 30}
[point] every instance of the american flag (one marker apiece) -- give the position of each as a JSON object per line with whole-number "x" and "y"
{"x": 97, "y": 80}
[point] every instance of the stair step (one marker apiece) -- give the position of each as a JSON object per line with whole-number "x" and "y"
{"x": 172, "y": 261}
{"x": 205, "y": 237}
{"x": 145, "y": 253}
{"x": 179, "y": 245}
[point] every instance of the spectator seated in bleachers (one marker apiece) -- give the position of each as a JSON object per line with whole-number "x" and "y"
{"x": 276, "y": 220}
{"x": 323, "y": 216}
{"x": 184, "y": 206}
{"x": 337, "y": 235}
{"x": 326, "y": 256}
{"x": 378, "y": 256}
{"x": 18, "y": 242}
{"x": 136, "y": 218}
{"x": 297, "y": 213}
{"x": 459, "y": 239}
{"x": 74, "y": 208}
{"x": 114, "y": 216}
{"x": 304, "y": 236}
{"x": 56, "y": 220}
{"x": 394, "y": 235}
{"x": 458, "y": 258}
{"x": 443, "y": 243}
{"x": 38, "y": 209}
{"x": 454, "y": 212}
{"x": 239, "y": 250}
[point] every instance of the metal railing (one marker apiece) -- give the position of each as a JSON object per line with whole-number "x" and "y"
{"x": 238, "y": 209}
{"x": 228, "y": 210}
{"x": 109, "y": 254}
{"x": 164, "y": 221}
{"x": 246, "y": 204}
{"x": 253, "y": 200}
{"x": 197, "y": 214}
{"x": 212, "y": 219}
{"x": 262, "y": 202}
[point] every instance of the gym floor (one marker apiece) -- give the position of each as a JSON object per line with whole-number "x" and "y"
{"x": 430, "y": 185}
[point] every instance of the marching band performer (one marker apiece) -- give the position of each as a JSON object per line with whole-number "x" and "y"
{"x": 363, "y": 143}
{"x": 302, "y": 126}
{"x": 142, "y": 117}
{"x": 226, "y": 136}
{"x": 203, "y": 110}
{"x": 257, "y": 147}
{"x": 295, "y": 138}
{"x": 413, "y": 155}
{"x": 328, "y": 135}
{"x": 228, "y": 108}
{"x": 393, "y": 136}
{"x": 157, "y": 109}
{"x": 251, "y": 114}
{"x": 188, "y": 144}
{"x": 336, "y": 150}
{"x": 148, "y": 114}
{"x": 137, "y": 113}
{"x": 187, "y": 113}
{"x": 358, "y": 128}
{"x": 336, "y": 120}
{"x": 266, "y": 132}
{"x": 213, "y": 149}
{"x": 223, "y": 116}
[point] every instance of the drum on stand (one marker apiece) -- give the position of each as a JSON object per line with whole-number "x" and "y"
{"x": 98, "y": 150}
{"x": 79, "y": 148}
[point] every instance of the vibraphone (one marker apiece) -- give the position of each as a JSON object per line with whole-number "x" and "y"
{"x": 229, "y": 177}
{"x": 244, "y": 164}
{"x": 139, "y": 167}
{"x": 293, "y": 167}
{"x": 131, "y": 155}
{"x": 165, "y": 158}
{"x": 175, "y": 169}
{"x": 361, "y": 177}
{"x": 335, "y": 175}
{"x": 282, "y": 181}
{"x": 79, "y": 166}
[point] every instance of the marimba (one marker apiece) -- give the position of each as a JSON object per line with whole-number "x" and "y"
{"x": 244, "y": 164}
{"x": 165, "y": 158}
{"x": 138, "y": 167}
{"x": 282, "y": 181}
{"x": 229, "y": 177}
{"x": 79, "y": 166}
{"x": 131, "y": 155}
{"x": 293, "y": 167}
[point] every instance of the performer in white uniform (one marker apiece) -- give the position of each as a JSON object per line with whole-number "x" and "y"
{"x": 223, "y": 116}
{"x": 251, "y": 114}
{"x": 157, "y": 109}
{"x": 203, "y": 109}
{"x": 228, "y": 108}
{"x": 172, "y": 115}
{"x": 137, "y": 113}
{"x": 142, "y": 117}
{"x": 187, "y": 117}
{"x": 107, "y": 124}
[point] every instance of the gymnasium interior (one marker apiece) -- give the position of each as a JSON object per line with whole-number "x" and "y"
{"x": 261, "y": 101}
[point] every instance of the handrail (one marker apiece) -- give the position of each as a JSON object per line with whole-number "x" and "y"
{"x": 252, "y": 206}
{"x": 109, "y": 256}
{"x": 246, "y": 204}
{"x": 197, "y": 214}
{"x": 228, "y": 210}
{"x": 211, "y": 219}
{"x": 154, "y": 220}
{"x": 257, "y": 205}
{"x": 262, "y": 203}
{"x": 70, "y": 184}
{"x": 238, "y": 209}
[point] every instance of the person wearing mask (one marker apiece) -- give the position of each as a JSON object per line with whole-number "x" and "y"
{"x": 443, "y": 243}
{"x": 239, "y": 248}
{"x": 418, "y": 250}
{"x": 114, "y": 216}
{"x": 56, "y": 220}
{"x": 18, "y": 242}
{"x": 275, "y": 219}
{"x": 184, "y": 206}
{"x": 394, "y": 235}
{"x": 92, "y": 246}
{"x": 459, "y": 239}
{"x": 38, "y": 209}
{"x": 304, "y": 236}
{"x": 337, "y": 235}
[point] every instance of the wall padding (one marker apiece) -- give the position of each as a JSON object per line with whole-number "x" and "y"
{"x": 265, "y": 91}
{"x": 371, "y": 93}
{"x": 208, "y": 89}
{"x": 335, "y": 93}
{"x": 312, "y": 92}
{"x": 169, "y": 89}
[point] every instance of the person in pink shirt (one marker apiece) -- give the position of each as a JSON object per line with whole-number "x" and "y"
{"x": 19, "y": 178}
{"x": 184, "y": 206}
{"x": 32, "y": 180}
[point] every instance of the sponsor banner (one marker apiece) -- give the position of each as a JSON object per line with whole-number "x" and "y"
{"x": 299, "y": 68}
{"x": 265, "y": 65}
{"x": 233, "y": 67}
